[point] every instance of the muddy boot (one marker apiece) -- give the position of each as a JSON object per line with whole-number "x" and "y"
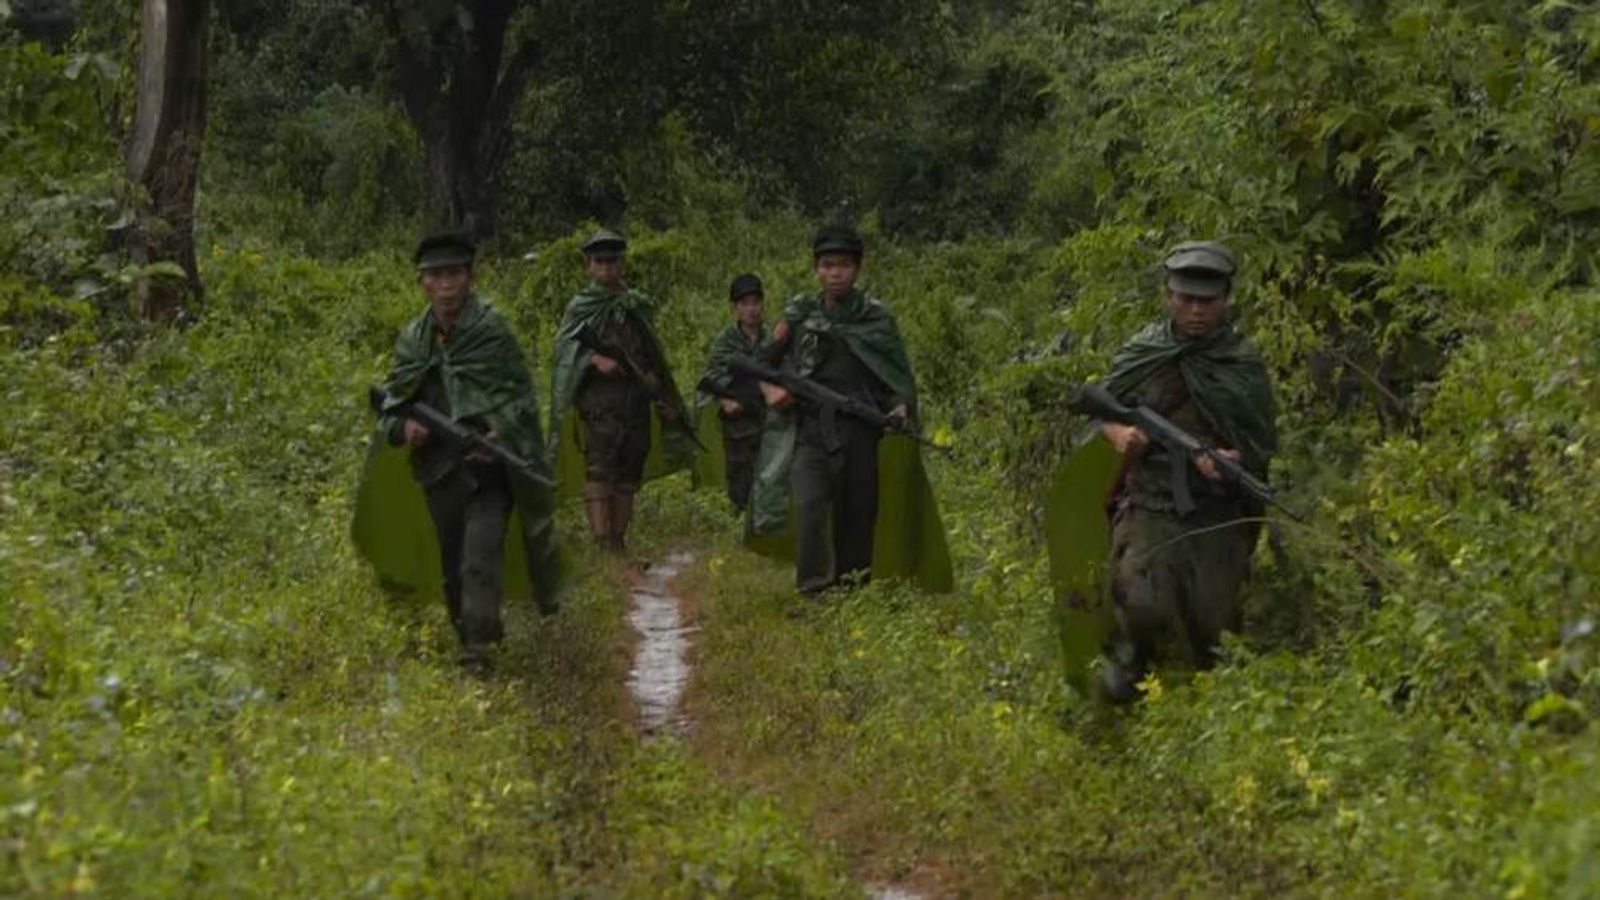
{"x": 1120, "y": 673}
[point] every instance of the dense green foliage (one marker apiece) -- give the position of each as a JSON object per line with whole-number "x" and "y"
{"x": 190, "y": 649}
{"x": 202, "y": 688}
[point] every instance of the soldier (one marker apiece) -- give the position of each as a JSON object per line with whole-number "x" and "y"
{"x": 740, "y": 405}
{"x": 845, "y": 340}
{"x": 614, "y": 395}
{"x": 461, "y": 358}
{"x": 1174, "y": 571}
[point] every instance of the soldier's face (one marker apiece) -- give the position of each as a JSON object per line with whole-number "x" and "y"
{"x": 837, "y": 273}
{"x": 1196, "y": 316}
{"x": 606, "y": 270}
{"x": 748, "y": 310}
{"x": 447, "y": 287}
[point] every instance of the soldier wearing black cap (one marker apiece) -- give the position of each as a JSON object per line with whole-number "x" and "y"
{"x": 461, "y": 358}
{"x": 613, "y": 406}
{"x": 847, "y": 341}
{"x": 1179, "y": 573}
{"x": 741, "y": 409}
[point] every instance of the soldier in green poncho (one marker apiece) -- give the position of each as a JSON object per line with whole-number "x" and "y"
{"x": 1176, "y": 574}
{"x": 740, "y": 406}
{"x": 845, "y": 340}
{"x": 616, "y": 412}
{"x": 461, "y": 358}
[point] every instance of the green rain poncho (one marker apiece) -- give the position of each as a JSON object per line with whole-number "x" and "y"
{"x": 710, "y": 468}
{"x": 908, "y": 539}
{"x": 670, "y": 450}
{"x": 482, "y": 371}
{"x": 1226, "y": 377}
{"x": 1228, "y": 381}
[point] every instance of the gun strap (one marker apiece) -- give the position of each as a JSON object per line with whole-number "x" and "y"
{"x": 1182, "y": 499}
{"x": 828, "y": 421}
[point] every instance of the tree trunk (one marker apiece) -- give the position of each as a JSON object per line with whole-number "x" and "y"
{"x": 164, "y": 150}
{"x": 459, "y": 83}
{"x": 460, "y": 191}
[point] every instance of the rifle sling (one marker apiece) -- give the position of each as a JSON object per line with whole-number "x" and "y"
{"x": 1182, "y": 499}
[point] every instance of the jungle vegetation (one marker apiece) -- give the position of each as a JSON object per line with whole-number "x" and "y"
{"x": 203, "y": 690}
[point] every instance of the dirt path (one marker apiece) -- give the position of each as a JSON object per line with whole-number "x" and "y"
{"x": 661, "y": 669}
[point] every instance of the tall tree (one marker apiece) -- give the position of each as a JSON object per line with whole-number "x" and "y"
{"x": 460, "y": 67}
{"x": 164, "y": 149}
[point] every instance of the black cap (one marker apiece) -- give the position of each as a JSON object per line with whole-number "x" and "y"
{"x": 444, "y": 248}
{"x": 1200, "y": 269}
{"x": 747, "y": 283}
{"x": 604, "y": 243}
{"x": 837, "y": 239}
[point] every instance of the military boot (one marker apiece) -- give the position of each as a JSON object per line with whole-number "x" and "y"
{"x": 1120, "y": 674}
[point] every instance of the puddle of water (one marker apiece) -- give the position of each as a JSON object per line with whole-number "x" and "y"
{"x": 660, "y": 667}
{"x": 890, "y": 892}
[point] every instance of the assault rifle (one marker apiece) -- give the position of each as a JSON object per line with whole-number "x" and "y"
{"x": 709, "y": 386}
{"x": 730, "y": 391}
{"x": 589, "y": 340}
{"x": 824, "y": 397}
{"x": 1097, "y": 402}
{"x": 455, "y": 434}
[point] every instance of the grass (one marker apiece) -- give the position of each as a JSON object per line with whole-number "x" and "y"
{"x": 203, "y": 691}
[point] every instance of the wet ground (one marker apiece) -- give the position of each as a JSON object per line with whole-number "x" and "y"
{"x": 660, "y": 665}
{"x": 661, "y": 671}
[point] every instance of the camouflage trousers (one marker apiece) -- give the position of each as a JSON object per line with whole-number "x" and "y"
{"x": 1177, "y": 580}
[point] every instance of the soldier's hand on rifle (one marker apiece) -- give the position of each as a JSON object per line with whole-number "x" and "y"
{"x": 1208, "y": 466}
{"x": 1127, "y": 439}
{"x": 484, "y": 456}
{"x": 605, "y": 365}
{"x": 900, "y": 414}
{"x": 731, "y": 407}
{"x": 776, "y": 396}
{"x": 416, "y": 433}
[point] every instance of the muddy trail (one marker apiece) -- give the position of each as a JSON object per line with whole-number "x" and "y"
{"x": 662, "y": 667}
{"x": 660, "y": 672}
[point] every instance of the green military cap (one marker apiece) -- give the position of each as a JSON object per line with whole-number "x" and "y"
{"x": 836, "y": 239}
{"x": 744, "y": 285}
{"x": 604, "y": 243}
{"x": 444, "y": 248}
{"x": 1200, "y": 269}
